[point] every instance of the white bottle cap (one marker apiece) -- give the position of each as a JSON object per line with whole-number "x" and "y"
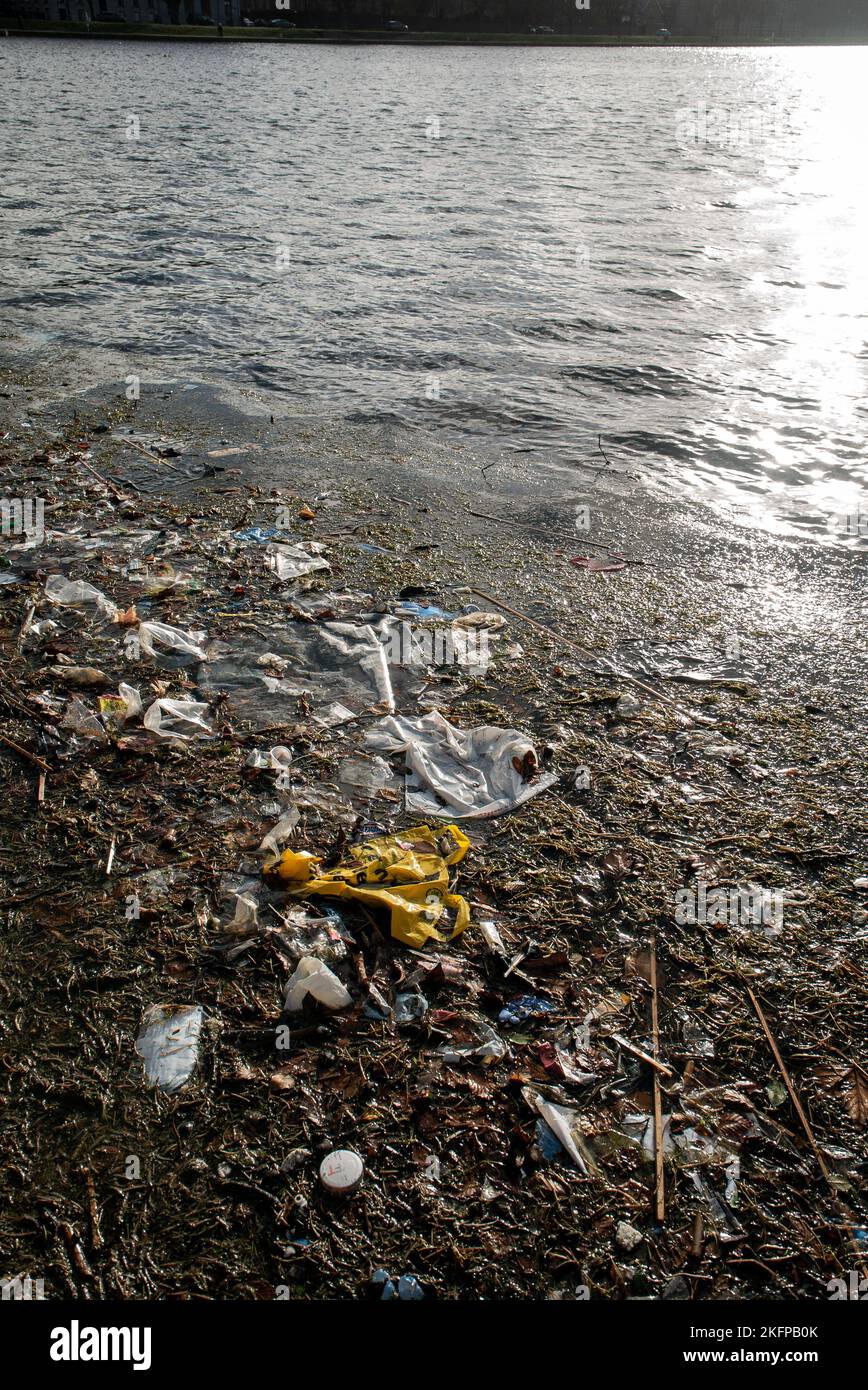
{"x": 341, "y": 1171}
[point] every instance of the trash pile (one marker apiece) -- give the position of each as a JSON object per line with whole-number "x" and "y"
{"x": 337, "y": 942}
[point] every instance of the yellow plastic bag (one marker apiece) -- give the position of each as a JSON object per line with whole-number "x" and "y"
{"x": 407, "y": 873}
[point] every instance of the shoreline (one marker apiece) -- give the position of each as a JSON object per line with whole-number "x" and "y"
{"x": 207, "y": 34}
{"x": 748, "y": 779}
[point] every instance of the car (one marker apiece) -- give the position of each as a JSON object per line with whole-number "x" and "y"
{"x": 544, "y": 29}
{"x": 395, "y": 26}
{"x": 663, "y": 34}
{"x": 282, "y": 24}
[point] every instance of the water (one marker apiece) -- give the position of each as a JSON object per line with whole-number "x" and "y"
{"x": 526, "y": 248}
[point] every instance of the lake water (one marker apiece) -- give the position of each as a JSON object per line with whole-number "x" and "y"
{"x": 527, "y": 248}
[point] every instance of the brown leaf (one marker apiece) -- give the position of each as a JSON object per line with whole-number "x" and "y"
{"x": 857, "y": 1098}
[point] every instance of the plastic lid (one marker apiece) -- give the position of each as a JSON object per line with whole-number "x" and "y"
{"x": 341, "y": 1171}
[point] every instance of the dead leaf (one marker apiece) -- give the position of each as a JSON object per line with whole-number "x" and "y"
{"x": 857, "y": 1098}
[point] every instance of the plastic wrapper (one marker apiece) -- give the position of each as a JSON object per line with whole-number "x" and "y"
{"x": 178, "y": 719}
{"x": 77, "y": 593}
{"x": 157, "y": 639}
{"x": 408, "y": 874}
{"x": 313, "y": 976}
{"x": 83, "y": 722}
{"x": 461, "y": 774}
{"x": 279, "y": 833}
{"x": 293, "y": 561}
{"x": 168, "y": 1042}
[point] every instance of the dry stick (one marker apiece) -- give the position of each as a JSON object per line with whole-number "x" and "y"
{"x": 25, "y": 626}
{"x": 659, "y": 1175}
{"x": 660, "y": 1067}
{"x": 791, "y": 1090}
{"x": 31, "y": 757}
{"x": 546, "y": 531}
{"x": 558, "y": 637}
{"x": 105, "y": 481}
{"x": 797, "y": 1106}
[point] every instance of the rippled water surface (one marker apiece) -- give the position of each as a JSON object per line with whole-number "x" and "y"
{"x": 529, "y": 247}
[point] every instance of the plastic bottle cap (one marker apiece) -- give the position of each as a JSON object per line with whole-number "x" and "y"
{"x": 341, "y": 1171}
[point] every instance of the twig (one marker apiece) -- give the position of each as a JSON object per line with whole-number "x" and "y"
{"x": 546, "y": 531}
{"x": 659, "y": 1174}
{"x": 595, "y": 656}
{"x": 661, "y": 1067}
{"x": 31, "y": 757}
{"x": 791, "y": 1090}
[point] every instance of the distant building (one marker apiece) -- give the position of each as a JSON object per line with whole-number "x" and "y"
{"x": 135, "y": 11}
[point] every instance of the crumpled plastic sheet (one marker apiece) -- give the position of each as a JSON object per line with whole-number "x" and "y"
{"x": 279, "y": 834}
{"x": 293, "y": 561}
{"x": 178, "y": 719}
{"x": 459, "y": 774}
{"x": 77, "y": 593}
{"x": 159, "y": 639}
{"x": 407, "y": 873}
{"x": 312, "y": 976}
{"x": 331, "y": 663}
{"x": 168, "y": 1042}
{"x": 83, "y": 722}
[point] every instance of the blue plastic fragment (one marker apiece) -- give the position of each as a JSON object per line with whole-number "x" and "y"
{"x": 422, "y": 610}
{"x": 525, "y": 1006}
{"x": 260, "y": 534}
{"x": 548, "y": 1144}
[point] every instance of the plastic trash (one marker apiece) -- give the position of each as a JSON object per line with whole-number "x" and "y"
{"x": 278, "y": 834}
{"x": 259, "y": 534}
{"x": 277, "y": 759}
{"x": 77, "y": 593}
{"x": 407, "y": 1288}
{"x": 158, "y": 638}
{"x": 491, "y": 936}
{"x": 407, "y": 873}
{"x": 168, "y": 1042}
{"x": 461, "y": 774}
{"x": 83, "y": 722}
{"x": 312, "y": 976}
{"x": 563, "y": 1123}
{"x": 480, "y": 1042}
{"x": 181, "y": 719}
{"x": 332, "y": 715}
{"x": 341, "y": 1172}
{"x": 410, "y": 1008}
{"x": 293, "y": 561}
{"x": 323, "y": 937}
{"x": 526, "y": 1006}
{"x": 117, "y": 710}
{"x": 366, "y": 776}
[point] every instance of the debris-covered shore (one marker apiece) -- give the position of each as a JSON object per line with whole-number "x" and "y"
{"x": 615, "y": 1081}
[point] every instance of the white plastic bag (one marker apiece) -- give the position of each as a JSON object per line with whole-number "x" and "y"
{"x": 178, "y": 719}
{"x": 472, "y": 771}
{"x": 172, "y": 639}
{"x": 77, "y": 593}
{"x": 313, "y": 977}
